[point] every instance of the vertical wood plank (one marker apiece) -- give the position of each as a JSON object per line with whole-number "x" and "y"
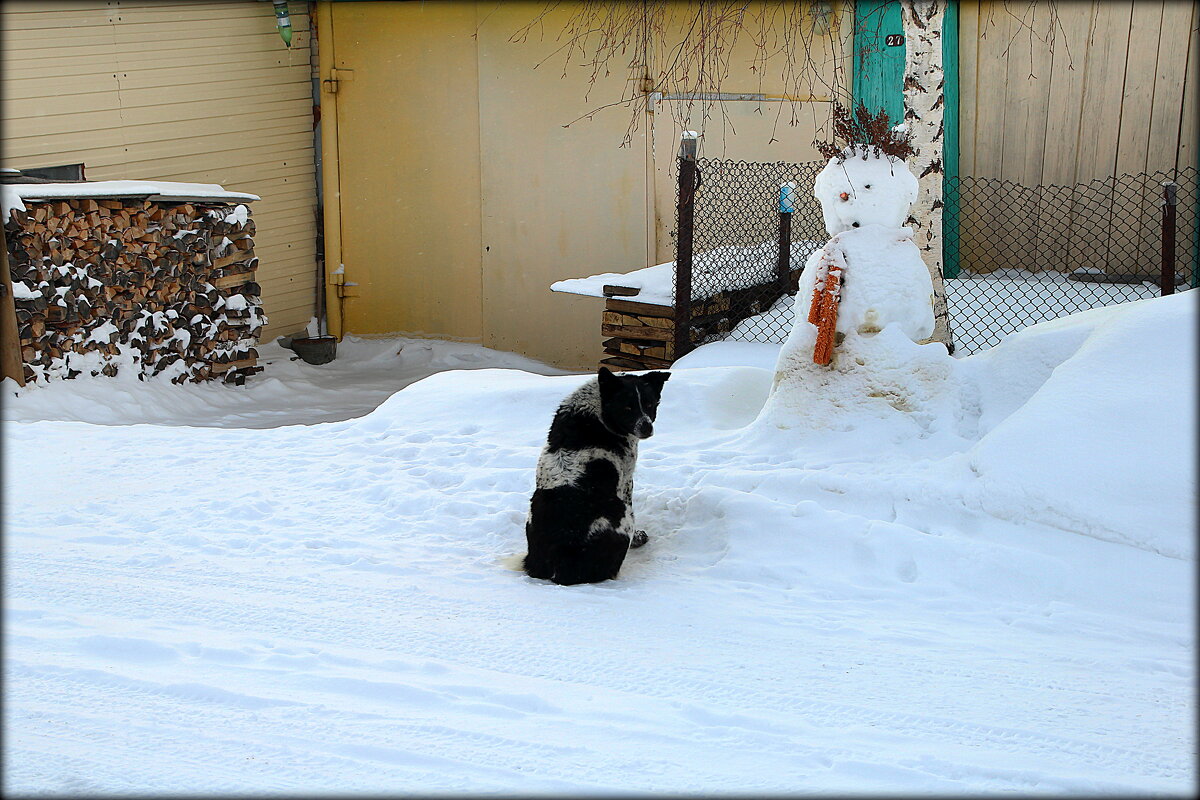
{"x": 1172, "y": 69}
{"x": 1108, "y": 50}
{"x": 1137, "y": 99}
{"x": 1187, "y": 243}
{"x": 1061, "y": 143}
{"x": 1136, "y": 209}
{"x": 1091, "y": 224}
{"x": 977, "y": 247}
{"x": 992, "y": 97}
{"x": 990, "y": 211}
{"x": 11, "y": 365}
{"x": 1027, "y": 82}
{"x": 1103, "y": 85}
{"x": 969, "y": 239}
{"x": 950, "y": 150}
{"x": 1027, "y": 76}
{"x": 1189, "y": 133}
{"x": 1056, "y": 209}
{"x": 1068, "y": 71}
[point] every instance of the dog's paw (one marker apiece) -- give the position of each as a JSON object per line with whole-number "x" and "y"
{"x": 639, "y": 539}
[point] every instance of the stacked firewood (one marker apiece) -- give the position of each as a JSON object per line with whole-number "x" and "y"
{"x": 643, "y": 334}
{"x": 163, "y": 288}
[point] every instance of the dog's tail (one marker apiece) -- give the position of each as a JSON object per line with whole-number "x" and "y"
{"x": 515, "y": 562}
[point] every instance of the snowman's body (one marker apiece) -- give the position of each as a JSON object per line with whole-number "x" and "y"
{"x": 885, "y": 308}
{"x": 884, "y": 282}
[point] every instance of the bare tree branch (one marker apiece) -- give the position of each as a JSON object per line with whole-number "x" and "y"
{"x": 687, "y": 52}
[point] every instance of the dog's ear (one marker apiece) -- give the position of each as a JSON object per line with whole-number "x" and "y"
{"x": 657, "y": 378}
{"x": 606, "y": 378}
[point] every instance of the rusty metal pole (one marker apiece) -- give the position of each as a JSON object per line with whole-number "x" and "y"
{"x": 783, "y": 265}
{"x": 1166, "y": 280}
{"x": 683, "y": 244}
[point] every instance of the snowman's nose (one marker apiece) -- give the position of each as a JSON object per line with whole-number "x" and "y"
{"x": 844, "y": 195}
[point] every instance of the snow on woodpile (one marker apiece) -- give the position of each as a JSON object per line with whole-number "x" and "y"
{"x": 722, "y": 269}
{"x": 149, "y": 276}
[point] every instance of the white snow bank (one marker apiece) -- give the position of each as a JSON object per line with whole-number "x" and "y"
{"x": 289, "y": 392}
{"x": 1106, "y": 444}
{"x": 731, "y": 353}
{"x": 327, "y": 608}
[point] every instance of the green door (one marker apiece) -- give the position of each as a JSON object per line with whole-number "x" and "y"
{"x": 879, "y": 55}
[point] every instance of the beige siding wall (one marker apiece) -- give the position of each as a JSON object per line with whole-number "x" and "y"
{"x": 202, "y": 92}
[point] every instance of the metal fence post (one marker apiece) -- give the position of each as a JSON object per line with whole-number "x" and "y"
{"x": 1166, "y": 280}
{"x": 683, "y": 243}
{"x": 787, "y": 205}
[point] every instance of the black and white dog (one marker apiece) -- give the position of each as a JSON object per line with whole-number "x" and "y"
{"x": 580, "y": 523}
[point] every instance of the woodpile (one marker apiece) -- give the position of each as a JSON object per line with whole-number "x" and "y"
{"x": 642, "y": 335}
{"x": 165, "y": 288}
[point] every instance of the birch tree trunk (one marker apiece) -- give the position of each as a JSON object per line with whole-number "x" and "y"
{"x": 924, "y": 104}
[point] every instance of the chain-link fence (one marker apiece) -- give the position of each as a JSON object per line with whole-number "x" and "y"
{"x": 1013, "y": 255}
{"x": 1016, "y": 255}
{"x": 754, "y": 225}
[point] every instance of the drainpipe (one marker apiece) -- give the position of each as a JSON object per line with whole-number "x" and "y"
{"x": 330, "y": 177}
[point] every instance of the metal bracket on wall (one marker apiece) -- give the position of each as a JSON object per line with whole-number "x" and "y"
{"x": 343, "y": 287}
{"x": 336, "y": 76}
{"x": 654, "y": 98}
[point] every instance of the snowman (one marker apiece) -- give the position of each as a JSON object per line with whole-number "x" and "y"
{"x": 859, "y": 347}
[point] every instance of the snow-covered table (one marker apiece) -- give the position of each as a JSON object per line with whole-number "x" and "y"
{"x": 729, "y": 283}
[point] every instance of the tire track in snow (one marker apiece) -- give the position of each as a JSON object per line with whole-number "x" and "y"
{"x": 347, "y": 623}
{"x": 723, "y": 698}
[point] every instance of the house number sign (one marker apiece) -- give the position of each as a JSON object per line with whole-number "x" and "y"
{"x": 894, "y": 40}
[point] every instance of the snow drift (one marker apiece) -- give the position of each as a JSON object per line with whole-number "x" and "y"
{"x": 1100, "y": 431}
{"x": 1005, "y": 606}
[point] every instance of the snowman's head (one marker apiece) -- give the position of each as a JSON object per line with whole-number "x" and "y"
{"x": 864, "y": 188}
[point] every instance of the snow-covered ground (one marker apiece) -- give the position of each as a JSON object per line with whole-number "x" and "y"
{"x": 1004, "y": 605}
{"x": 288, "y": 392}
